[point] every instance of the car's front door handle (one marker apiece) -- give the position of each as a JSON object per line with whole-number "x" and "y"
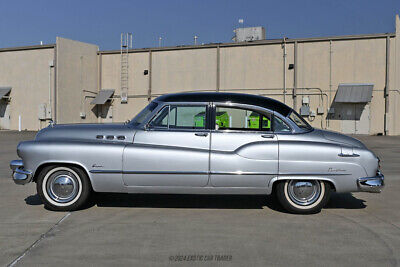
{"x": 267, "y": 136}
{"x": 201, "y": 134}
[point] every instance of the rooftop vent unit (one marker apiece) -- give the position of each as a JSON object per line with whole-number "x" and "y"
{"x": 249, "y": 34}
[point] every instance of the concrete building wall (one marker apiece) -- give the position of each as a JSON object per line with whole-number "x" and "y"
{"x": 321, "y": 66}
{"x": 256, "y": 67}
{"x": 183, "y": 70}
{"x": 76, "y": 71}
{"x": 29, "y": 74}
{"x": 138, "y": 85}
{"x": 394, "y": 84}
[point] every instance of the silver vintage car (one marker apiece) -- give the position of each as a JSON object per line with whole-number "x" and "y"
{"x": 198, "y": 143}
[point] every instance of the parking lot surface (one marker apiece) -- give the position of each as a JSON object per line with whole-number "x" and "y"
{"x": 156, "y": 230}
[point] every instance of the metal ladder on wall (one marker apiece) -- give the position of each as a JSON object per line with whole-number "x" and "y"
{"x": 126, "y": 44}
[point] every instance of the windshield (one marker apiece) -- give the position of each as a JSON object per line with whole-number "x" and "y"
{"x": 139, "y": 118}
{"x": 299, "y": 121}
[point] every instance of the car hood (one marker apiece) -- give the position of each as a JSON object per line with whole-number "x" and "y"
{"x": 340, "y": 138}
{"x": 89, "y": 132}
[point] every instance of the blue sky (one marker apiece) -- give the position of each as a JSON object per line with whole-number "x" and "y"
{"x": 101, "y": 22}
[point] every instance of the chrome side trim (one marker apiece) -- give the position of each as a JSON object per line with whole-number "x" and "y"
{"x": 105, "y": 171}
{"x": 313, "y": 174}
{"x": 241, "y": 173}
{"x": 179, "y": 173}
{"x": 348, "y": 155}
{"x": 371, "y": 184}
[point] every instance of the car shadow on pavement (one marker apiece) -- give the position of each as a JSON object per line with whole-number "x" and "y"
{"x": 181, "y": 201}
{"x": 345, "y": 201}
{"x": 33, "y": 200}
{"x": 337, "y": 201}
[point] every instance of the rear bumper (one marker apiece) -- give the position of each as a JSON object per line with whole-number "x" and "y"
{"x": 19, "y": 175}
{"x": 372, "y": 184}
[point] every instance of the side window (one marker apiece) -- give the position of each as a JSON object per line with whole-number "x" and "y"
{"x": 279, "y": 125}
{"x": 241, "y": 119}
{"x": 180, "y": 117}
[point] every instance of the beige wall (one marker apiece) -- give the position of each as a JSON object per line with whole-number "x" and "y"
{"x": 138, "y": 84}
{"x": 27, "y": 72}
{"x": 394, "y": 105}
{"x": 76, "y": 71}
{"x": 258, "y": 69}
{"x": 322, "y": 66}
{"x": 183, "y": 70}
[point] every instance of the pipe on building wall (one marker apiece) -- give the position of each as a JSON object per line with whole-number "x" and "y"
{"x": 50, "y": 66}
{"x": 150, "y": 75}
{"x": 82, "y": 111}
{"x": 387, "y": 89}
{"x": 330, "y": 79}
{"x": 54, "y": 108}
{"x": 218, "y": 69}
{"x": 284, "y": 69}
{"x": 295, "y": 77}
{"x": 100, "y": 61}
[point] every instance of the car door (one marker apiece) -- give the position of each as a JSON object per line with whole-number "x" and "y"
{"x": 244, "y": 150}
{"x": 173, "y": 150}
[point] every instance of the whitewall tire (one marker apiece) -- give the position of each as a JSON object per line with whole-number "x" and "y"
{"x": 303, "y": 196}
{"x": 63, "y": 188}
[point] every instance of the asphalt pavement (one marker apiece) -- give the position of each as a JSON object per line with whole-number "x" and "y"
{"x": 359, "y": 229}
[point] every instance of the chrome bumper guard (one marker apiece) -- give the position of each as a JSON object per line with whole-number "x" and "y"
{"x": 372, "y": 184}
{"x": 20, "y": 176}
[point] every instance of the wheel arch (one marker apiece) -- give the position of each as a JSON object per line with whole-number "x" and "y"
{"x": 66, "y": 163}
{"x": 276, "y": 180}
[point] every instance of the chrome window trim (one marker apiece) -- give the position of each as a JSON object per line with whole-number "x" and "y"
{"x": 169, "y": 104}
{"x": 253, "y": 108}
{"x": 294, "y": 128}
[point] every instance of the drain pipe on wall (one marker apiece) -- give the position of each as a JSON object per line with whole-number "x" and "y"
{"x": 295, "y": 73}
{"x": 330, "y": 81}
{"x": 284, "y": 69}
{"x": 51, "y": 64}
{"x": 386, "y": 93}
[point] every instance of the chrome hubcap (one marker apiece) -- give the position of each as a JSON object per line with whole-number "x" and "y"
{"x": 62, "y": 186}
{"x": 304, "y": 192}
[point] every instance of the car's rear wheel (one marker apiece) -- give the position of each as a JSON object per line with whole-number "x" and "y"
{"x": 303, "y": 196}
{"x": 63, "y": 188}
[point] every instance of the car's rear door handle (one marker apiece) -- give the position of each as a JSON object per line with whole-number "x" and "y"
{"x": 201, "y": 134}
{"x": 268, "y": 136}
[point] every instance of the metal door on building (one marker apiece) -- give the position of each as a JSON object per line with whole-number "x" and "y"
{"x": 352, "y": 104}
{"x": 355, "y": 118}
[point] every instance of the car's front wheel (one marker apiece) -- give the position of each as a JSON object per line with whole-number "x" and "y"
{"x": 63, "y": 188}
{"x": 303, "y": 196}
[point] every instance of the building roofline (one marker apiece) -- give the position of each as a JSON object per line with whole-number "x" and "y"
{"x": 260, "y": 42}
{"x": 31, "y": 47}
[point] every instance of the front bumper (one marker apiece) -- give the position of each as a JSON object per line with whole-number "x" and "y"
{"x": 372, "y": 184}
{"x": 19, "y": 175}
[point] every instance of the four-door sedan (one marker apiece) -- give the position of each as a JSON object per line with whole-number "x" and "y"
{"x": 198, "y": 143}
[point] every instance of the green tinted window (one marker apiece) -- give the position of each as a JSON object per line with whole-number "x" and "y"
{"x": 241, "y": 119}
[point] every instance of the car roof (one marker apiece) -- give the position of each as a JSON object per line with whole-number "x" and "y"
{"x": 247, "y": 99}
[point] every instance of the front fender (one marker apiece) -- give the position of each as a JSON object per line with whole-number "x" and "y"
{"x": 88, "y": 155}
